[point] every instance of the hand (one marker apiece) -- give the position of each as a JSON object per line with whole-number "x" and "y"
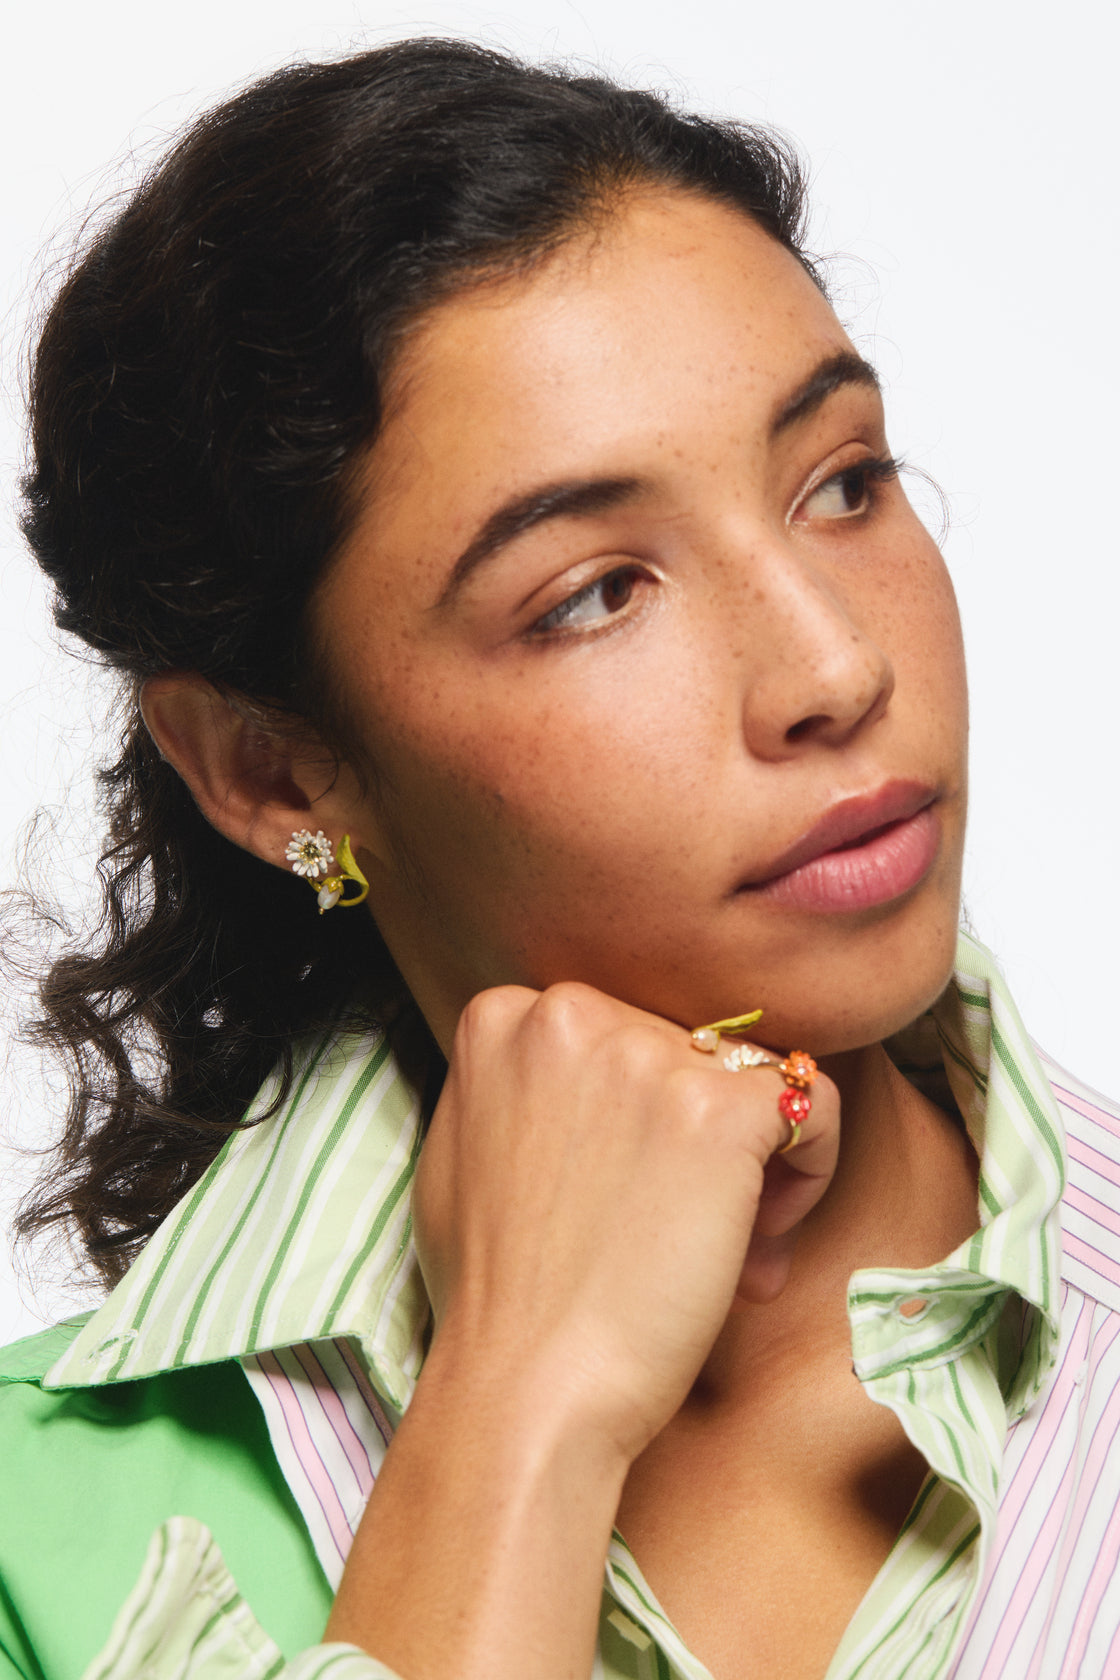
{"x": 592, "y": 1195}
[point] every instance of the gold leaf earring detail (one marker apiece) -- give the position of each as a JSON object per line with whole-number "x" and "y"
{"x": 325, "y": 871}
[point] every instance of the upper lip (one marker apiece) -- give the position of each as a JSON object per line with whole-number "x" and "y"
{"x": 848, "y": 820}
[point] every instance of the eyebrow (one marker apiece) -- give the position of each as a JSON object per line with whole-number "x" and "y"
{"x": 845, "y": 368}
{"x": 571, "y": 498}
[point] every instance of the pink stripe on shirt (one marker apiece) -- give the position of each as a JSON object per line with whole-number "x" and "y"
{"x": 1090, "y": 1467}
{"x": 1103, "y": 1165}
{"x": 1105, "y": 1265}
{"x": 1045, "y": 1432}
{"x": 303, "y": 1446}
{"x": 335, "y": 1413}
{"x": 1081, "y": 1105}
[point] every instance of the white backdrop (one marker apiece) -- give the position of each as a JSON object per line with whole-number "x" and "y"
{"x": 963, "y": 157}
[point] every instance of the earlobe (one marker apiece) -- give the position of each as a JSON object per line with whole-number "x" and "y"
{"x": 243, "y": 777}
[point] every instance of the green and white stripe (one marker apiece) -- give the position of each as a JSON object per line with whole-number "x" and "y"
{"x": 299, "y": 1230}
{"x": 186, "y": 1620}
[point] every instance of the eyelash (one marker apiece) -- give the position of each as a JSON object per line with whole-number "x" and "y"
{"x": 553, "y": 623}
{"x": 871, "y": 474}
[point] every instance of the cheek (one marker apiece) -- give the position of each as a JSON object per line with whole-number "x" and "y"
{"x": 918, "y": 624}
{"x": 941, "y": 656}
{"x": 548, "y": 796}
{"x": 504, "y": 804}
{"x": 501, "y": 870}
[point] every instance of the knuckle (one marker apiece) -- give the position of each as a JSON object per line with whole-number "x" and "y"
{"x": 566, "y": 997}
{"x": 566, "y": 1012}
{"x": 489, "y": 1012}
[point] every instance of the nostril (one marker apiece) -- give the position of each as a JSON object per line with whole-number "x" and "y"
{"x": 798, "y": 731}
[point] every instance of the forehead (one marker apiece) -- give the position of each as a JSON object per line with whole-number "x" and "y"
{"x": 703, "y": 272}
{"x": 674, "y": 322}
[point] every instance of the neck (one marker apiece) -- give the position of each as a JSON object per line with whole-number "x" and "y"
{"x": 904, "y": 1195}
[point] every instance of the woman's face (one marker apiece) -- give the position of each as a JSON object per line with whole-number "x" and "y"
{"x": 638, "y": 630}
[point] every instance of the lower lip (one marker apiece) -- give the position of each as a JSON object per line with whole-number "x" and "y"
{"x": 860, "y": 877}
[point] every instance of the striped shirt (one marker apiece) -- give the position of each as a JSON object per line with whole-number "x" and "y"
{"x": 293, "y": 1255}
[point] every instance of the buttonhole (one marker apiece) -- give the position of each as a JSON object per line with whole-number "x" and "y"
{"x": 111, "y": 1345}
{"x": 912, "y": 1307}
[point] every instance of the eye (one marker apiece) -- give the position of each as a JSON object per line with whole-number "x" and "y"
{"x": 849, "y": 493}
{"x": 591, "y": 605}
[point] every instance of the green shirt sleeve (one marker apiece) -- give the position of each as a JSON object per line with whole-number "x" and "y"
{"x": 146, "y": 1530}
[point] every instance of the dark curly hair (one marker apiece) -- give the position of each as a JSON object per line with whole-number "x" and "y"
{"x": 206, "y": 376}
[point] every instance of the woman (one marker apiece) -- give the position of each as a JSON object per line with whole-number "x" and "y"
{"x": 498, "y": 532}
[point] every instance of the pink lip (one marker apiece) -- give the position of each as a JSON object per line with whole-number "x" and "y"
{"x": 863, "y": 852}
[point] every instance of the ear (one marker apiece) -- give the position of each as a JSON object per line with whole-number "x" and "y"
{"x": 254, "y": 784}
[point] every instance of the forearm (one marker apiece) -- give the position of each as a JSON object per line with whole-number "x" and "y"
{"x": 481, "y": 1551}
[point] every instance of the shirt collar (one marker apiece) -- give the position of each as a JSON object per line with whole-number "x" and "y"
{"x": 990, "y": 1066}
{"x": 300, "y": 1230}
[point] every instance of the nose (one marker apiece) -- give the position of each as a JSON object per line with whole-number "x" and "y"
{"x": 815, "y": 673}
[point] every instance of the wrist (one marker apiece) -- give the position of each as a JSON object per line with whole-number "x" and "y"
{"x": 482, "y": 1549}
{"x": 532, "y": 1406}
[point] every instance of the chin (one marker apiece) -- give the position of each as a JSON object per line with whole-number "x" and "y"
{"x": 858, "y": 993}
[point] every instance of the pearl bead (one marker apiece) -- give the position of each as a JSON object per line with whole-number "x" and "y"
{"x": 706, "y": 1039}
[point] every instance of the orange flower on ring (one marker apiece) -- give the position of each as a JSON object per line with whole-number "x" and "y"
{"x": 799, "y": 1068}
